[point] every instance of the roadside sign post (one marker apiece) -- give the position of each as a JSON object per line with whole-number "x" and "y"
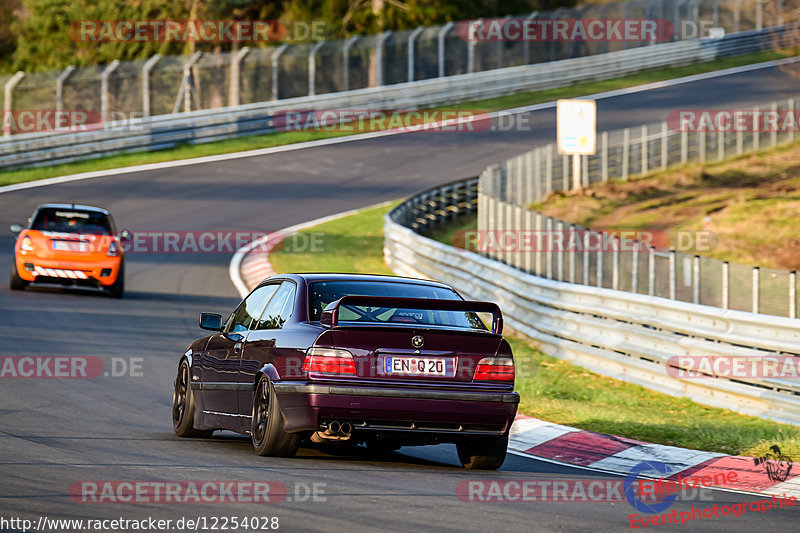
{"x": 576, "y": 133}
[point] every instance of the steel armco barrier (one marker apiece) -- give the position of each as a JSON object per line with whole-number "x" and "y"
{"x": 617, "y": 334}
{"x": 164, "y": 131}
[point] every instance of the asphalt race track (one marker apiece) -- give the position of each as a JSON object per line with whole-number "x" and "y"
{"x": 57, "y": 432}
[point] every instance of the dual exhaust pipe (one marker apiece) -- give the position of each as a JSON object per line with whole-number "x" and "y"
{"x": 335, "y": 431}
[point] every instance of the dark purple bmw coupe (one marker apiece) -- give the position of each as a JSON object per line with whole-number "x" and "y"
{"x": 379, "y": 360}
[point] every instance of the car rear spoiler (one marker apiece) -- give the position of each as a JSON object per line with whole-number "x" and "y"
{"x": 330, "y": 315}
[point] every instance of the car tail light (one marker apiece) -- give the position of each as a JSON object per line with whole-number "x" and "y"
{"x": 27, "y": 245}
{"x": 495, "y": 369}
{"x": 113, "y": 249}
{"x": 329, "y": 361}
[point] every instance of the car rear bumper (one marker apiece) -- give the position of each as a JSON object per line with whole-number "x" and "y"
{"x": 309, "y": 406}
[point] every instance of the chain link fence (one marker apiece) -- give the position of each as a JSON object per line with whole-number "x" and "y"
{"x": 535, "y": 243}
{"x": 164, "y": 85}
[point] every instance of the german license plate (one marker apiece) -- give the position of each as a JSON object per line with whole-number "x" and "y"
{"x": 71, "y": 246}
{"x": 419, "y": 366}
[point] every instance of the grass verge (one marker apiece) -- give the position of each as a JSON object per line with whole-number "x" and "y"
{"x": 189, "y": 151}
{"x": 557, "y": 390}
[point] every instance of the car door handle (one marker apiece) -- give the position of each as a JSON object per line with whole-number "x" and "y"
{"x": 237, "y": 347}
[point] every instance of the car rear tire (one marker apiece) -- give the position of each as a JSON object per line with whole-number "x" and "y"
{"x": 487, "y": 453}
{"x": 16, "y": 283}
{"x": 267, "y": 432}
{"x": 118, "y": 288}
{"x": 183, "y": 406}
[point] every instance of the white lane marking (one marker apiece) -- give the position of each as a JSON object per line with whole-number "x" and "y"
{"x": 377, "y": 134}
{"x": 790, "y": 487}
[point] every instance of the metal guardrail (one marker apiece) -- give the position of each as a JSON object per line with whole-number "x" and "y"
{"x": 626, "y": 336}
{"x": 37, "y": 149}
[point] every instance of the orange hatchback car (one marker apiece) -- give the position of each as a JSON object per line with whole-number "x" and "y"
{"x": 69, "y": 245}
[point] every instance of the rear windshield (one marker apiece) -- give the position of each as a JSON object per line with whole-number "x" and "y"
{"x": 72, "y": 221}
{"x": 322, "y": 293}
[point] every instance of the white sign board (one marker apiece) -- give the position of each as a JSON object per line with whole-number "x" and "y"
{"x": 576, "y": 127}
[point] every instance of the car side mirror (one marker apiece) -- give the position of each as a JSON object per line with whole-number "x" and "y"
{"x": 15, "y": 228}
{"x": 211, "y": 321}
{"x": 125, "y": 235}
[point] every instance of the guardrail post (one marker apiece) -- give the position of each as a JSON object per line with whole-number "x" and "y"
{"x": 346, "y": 61}
{"x": 756, "y": 287}
{"x": 146, "y": 68}
{"x": 379, "y": 46}
{"x": 276, "y": 55}
{"x": 635, "y": 267}
{"x": 726, "y": 284}
{"x": 793, "y": 294}
{"x": 604, "y": 156}
{"x": 8, "y": 93}
{"x": 527, "y": 48}
{"x": 773, "y": 134}
{"x": 440, "y": 38}
{"x": 651, "y": 271}
{"x": 790, "y": 109}
{"x": 312, "y": 68}
{"x": 644, "y": 149}
{"x": 626, "y": 142}
{"x": 412, "y": 44}
{"x": 684, "y": 146}
{"x": 63, "y": 77}
{"x": 696, "y": 279}
{"x": 104, "y": 105}
{"x": 615, "y": 264}
{"x": 701, "y": 146}
{"x": 664, "y": 145}
{"x": 600, "y": 261}
{"x": 236, "y": 78}
{"x": 673, "y": 273}
{"x": 756, "y": 125}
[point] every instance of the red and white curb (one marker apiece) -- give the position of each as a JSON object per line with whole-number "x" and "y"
{"x": 608, "y": 453}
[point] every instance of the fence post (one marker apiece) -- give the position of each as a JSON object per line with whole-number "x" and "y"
{"x": 548, "y": 240}
{"x": 548, "y": 162}
{"x": 726, "y": 284}
{"x": 773, "y": 134}
{"x": 379, "y": 45}
{"x": 793, "y": 294}
{"x": 600, "y": 261}
{"x": 651, "y": 272}
{"x": 531, "y": 172}
{"x": 312, "y": 68}
{"x": 696, "y": 279}
{"x": 539, "y": 240}
{"x": 790, "y": 108}
{"x": 187, "y": 86}
{"x": 756, "y": 291}
{"x": 755, "y": 122}
{"x": 759, "y": 16}
{"x": 412, "y": 43}
{"x": 684, "y": 146}
{"x": 346, "y": 61}
{"x": 603, "y": 155}
{"x": 615, "y": 265}
{"x": 527, "y": 48}
{"x": 626, "y": 141}
{"x": 701, "y": 146}
{"x": 673, "y": 272}
{"x": 635, "y": 267}
{"x": 739, "y": 141}
{"x": 440, "y": 38}
{"x": 560, "y": 253}
{"x": 664, "y": 145}
{"x": 8, "y": 91}
{"x": 584, "y": 170}
{"x": 235, "y": 81}
{"x": 104, "y": 110}
{"x": 146, "y": 68}
{"x": 276, "y": 55}
{"x": 721, "y": 145}
{"x": 571, "y": 254}
{"x": 584, "y": 239}
{"x": 65, "y": 74}
{"x": 645, "y": 162}
{"x": 565, "y": 172}
{"x": 528, "y": 258}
